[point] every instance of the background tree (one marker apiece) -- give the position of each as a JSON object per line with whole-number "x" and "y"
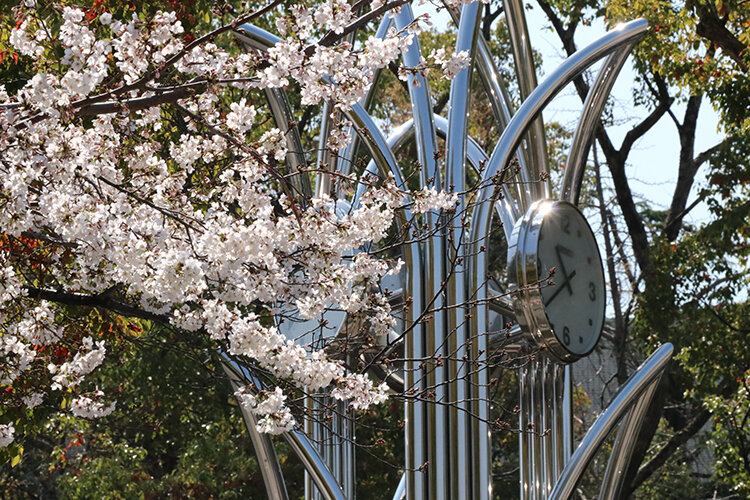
{"x": 689, "y": 283}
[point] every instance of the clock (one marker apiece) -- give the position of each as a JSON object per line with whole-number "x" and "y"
{"x": 557, "y": 280}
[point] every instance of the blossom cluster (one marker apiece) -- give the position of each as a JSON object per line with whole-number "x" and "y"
{"x": 275, "y": 417}
{"x": 199, "y": 228}
{"x": 91, "y": 406}
{"x": 6, "y": 434}
{"x": 429, "y": 198}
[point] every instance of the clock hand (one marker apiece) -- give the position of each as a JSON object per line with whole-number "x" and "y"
{"x": 558, "y": 249}
{"x": 560, "y": 287}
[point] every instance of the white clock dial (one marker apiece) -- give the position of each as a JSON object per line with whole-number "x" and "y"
{"x": 575, "y": 304}
{"x": 555, "y": 269}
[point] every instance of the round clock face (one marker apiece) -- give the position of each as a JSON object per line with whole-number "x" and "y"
{"x": 575, "y": 303}
{"x": 555, "y": 266}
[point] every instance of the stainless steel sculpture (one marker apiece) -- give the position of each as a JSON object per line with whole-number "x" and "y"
{"x": 448, "y": 446}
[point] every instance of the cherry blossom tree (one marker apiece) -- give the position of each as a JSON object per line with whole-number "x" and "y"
{"x": 141, "y": 182}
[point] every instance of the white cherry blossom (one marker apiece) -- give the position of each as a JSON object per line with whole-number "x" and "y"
{"x": 6, "y": 434}
{"x": 91, "y": 407}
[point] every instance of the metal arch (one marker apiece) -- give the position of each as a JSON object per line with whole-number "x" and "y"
{"x": 475, "y": 155}
{"x": 584, "y": 134}
{"x": 502, "y": 107}
{"x": 370, "y": 134}
{"x": 346, "y": 156}
{"x": 634, "y": 392}
{"x": 461, "y": 429}
{"x": 400, "y": 493}
{"x": 281, "y": 111}
{"x": 469, "y": 459}
{"x": 372, "y": 137}
{"x": 541, "y": 461}
{"x": 420, "y": 416}
{"x": 544, "y": 93}
{"x": 622, "y": 449}
{"x": 268, "y": 463}
{"x": 314, "y": 465}
{"x": 540, "y": 97}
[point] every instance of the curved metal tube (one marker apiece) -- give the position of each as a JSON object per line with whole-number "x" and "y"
{"x": 424, "y": 416}
{"x": 584, "y": 134}
{"x": 481, "y": 218}
{"x": 281, "y": 111}
{"x": 297, "y": 440}
{"x": 326, "y": 161}
{"x": 314, "y": 465}
{"x": 636, "y": 387}
{"x": 268, "y": 463}
{"x": 475, "y": 155}
{"x": 622, "y": 449}
{"x": 346, "y": 156}
{"x": 502, "y": 109}
{"x": 401, "y": 489}
{"x": 536, "y": 188}
{"x": 383, "y": 156}
{"x": 500, "y": 102}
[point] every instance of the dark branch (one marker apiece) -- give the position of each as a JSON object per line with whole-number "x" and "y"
{"x": 102, "y": 300}
{"x": 694, "y": 425}
{"x": 644, "y": 126}
{"x": 713, "y": 29}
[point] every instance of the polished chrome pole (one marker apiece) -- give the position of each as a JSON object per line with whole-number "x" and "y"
{"x": 269, "y": 466}
{"x": 303, "y": 448}
{"x": 622, "y": 449}
{"x": 536, "y": 187}
{"x": 590, "y": 116}
{"x": 458, "y": 372}
{"x": 429, "y": 420}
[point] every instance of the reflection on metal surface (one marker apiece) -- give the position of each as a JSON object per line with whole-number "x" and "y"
{"x": 282, "y": 113}
{"x": 459, "y": 426}
{"x": 426, "y": 418}
{"x": 534, "y": 187}
{"x": 448, "y": 453}
{"x": 622, "y": 450}
{"x": 400, "y": 489}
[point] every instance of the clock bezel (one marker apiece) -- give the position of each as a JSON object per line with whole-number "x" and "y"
{"x": 523, "y": 274}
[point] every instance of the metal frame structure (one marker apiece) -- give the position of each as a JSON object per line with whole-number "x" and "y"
{"x": 460, "y": 466}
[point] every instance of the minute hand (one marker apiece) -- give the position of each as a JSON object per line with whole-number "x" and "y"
{"x": 561, "y": 249}
{"x": 560, "y": 287}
